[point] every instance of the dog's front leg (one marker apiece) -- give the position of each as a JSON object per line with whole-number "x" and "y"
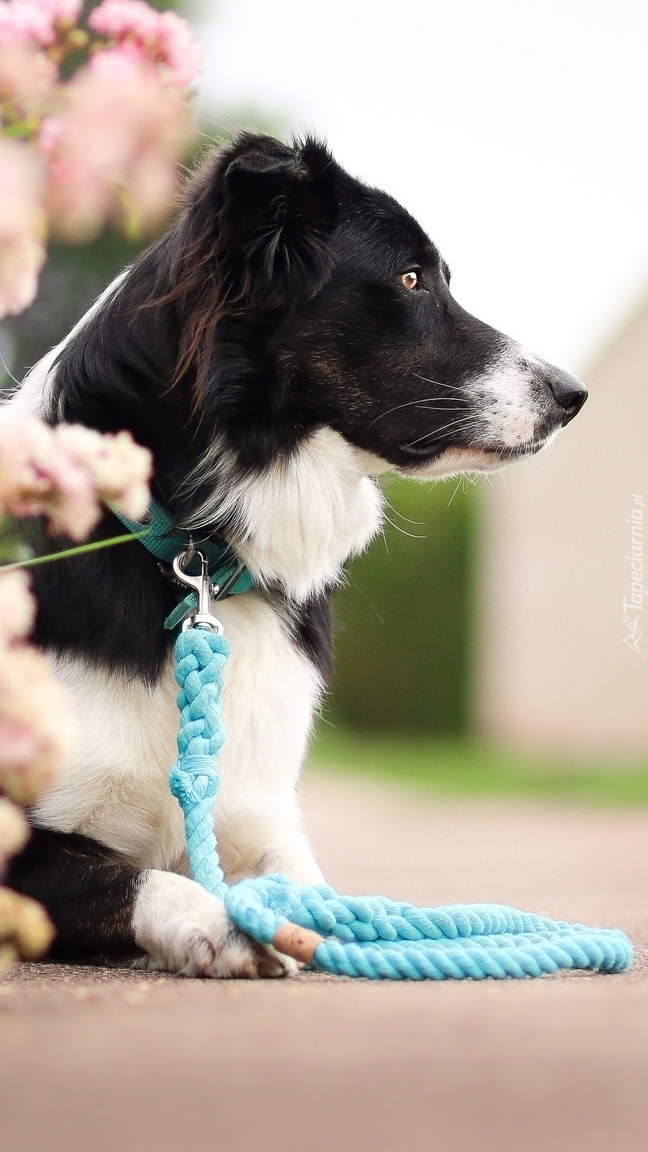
{"x": 106, "y": 910}
{"x": 271, "y": 693}
{"x": 181, "y": 928}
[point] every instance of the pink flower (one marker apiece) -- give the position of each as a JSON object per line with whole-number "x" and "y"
{"x": 18, "y": 742}
{"x": 164, "y": 37}
{"x": 13, "y": 831}
{"x": 35, "y": 21}
{"x": 38, "y": 730}
{"x": 61, "y": 11}
{"x": 121, "y": 18}
{"x": 64, "y": 473}
{"x": 178, "y": 49}
{"x": 22, "y": 226}
{"x": 27, "y": 81}
{"x": 119, "y": 468}
{"x": 24, "y": 23}
{"x": 17, "y": 607}
{"x": 21, "y": 258}
{"x": 113, "y": 152}
{"x": 25, "y": 929}
{"x": 37, "y": 479}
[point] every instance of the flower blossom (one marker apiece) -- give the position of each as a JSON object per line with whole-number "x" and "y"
{"x": 38, "y": 728}
{"x": 17, "y": 607}
{"x": 113, "y": 152}
{"x": 61, "y": 11}
{"x": 119, "y": 468}
{"x": 63, "y": 473}
{"x": 27, "y": 82}
{"x": 13, "y": 831}
{"x": 35, "y": 21}
{"x": 37, "y": 479}
{"x": 163, "y": 37}
{"x": 22, "y": 226}
{"x": 25, "y": 929}
{"x": 22, "y": 23}
{"x": 121, "y": 18}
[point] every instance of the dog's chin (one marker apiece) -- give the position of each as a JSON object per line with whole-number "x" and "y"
{"x": 449, "y": 460}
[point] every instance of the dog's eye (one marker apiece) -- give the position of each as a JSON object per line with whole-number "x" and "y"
{"x": 410, "y": 280}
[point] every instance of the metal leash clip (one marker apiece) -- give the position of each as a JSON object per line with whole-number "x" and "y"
{"x": 202, "y": 617}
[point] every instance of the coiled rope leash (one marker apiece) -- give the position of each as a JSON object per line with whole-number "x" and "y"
{"x": 348, "y": 935}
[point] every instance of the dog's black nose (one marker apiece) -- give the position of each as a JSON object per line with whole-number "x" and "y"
{"x": 569, "y": 392}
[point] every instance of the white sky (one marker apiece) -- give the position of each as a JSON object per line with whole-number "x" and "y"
{"x": 516, "y": 131}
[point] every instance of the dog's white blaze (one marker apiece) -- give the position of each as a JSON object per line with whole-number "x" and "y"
{"x": 117, "y": 788}
{"x": 506, "y": 406}
{"x": 507, "y": 409}
{"x": 504, "y": 398}
{"x": 300, "y": 519}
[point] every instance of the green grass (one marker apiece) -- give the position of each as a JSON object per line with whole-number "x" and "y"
{"x": 462, "y": 767}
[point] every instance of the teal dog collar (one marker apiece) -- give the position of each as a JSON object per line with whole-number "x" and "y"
{"x": 165, "y": 541}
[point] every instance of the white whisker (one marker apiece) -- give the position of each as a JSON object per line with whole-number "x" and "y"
{"x": 424, "y": 402}
{"x": 452, "y": 401}
{"x": 456, "y": 425}
{"x": 454, "y": 493}
{"x": 403, "y": 532}
{"x": 437, "y": 383}
{"x": 397, "y": 407}
{"x": 8, "y": 370}
{"x": 417, "y": 523}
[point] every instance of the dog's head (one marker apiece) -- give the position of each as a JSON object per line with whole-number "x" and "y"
{"x": 311, "y": 299}
{"x": 292, "y": 335}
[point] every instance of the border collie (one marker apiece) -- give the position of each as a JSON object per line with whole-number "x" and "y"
{"x": 292, "y": 336}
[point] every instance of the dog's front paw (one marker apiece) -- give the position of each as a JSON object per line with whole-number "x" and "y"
{"x": 183, "y": 929}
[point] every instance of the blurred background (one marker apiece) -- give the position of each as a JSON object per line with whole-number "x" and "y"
{"x": 491, "y": 640}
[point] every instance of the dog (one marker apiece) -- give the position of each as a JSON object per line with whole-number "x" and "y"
{"x": 292, "y": 336}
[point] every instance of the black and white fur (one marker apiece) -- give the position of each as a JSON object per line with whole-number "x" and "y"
{"x": 291, "y": 337}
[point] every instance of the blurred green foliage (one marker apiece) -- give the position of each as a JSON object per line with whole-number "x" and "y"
{"x": 403, "y": 636}
{"x": 464, "y": 767}
{"x": 70, "y": 281}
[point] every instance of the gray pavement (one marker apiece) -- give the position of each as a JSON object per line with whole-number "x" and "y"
{"x": 91, "y": 1058}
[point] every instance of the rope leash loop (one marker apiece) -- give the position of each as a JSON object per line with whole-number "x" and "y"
{"x": 352, "y": 936}
{"x": 371, "y": 937}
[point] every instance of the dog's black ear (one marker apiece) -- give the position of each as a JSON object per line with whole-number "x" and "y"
{"x": 279, "y": 209}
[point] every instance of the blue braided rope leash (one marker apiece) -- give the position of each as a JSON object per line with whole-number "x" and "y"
{"x": 373, "y": 937}
{"x": 200, "y": 658}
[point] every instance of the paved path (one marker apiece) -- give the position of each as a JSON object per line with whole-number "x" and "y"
{"x": 97, "y": 1060}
